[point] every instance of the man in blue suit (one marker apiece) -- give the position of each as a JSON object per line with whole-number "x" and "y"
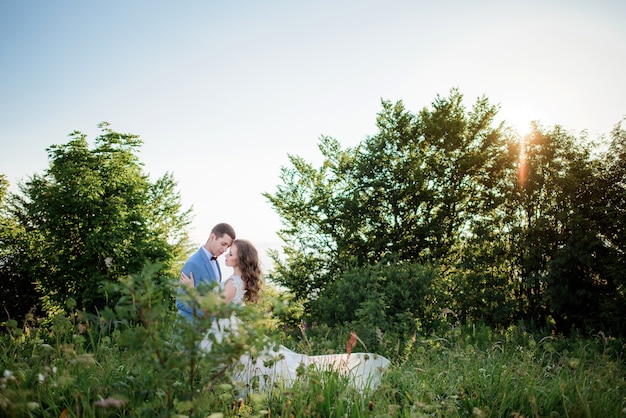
{"x": 203, "y": 264}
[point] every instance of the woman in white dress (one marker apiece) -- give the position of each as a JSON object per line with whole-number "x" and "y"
{"x": 243, "y": 286}
{"x": 363, "y": 370}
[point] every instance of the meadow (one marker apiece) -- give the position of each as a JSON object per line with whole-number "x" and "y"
{"x": 136, "y": 361}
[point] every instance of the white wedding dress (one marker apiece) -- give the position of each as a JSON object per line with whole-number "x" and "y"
{"x": 363, "y": 370}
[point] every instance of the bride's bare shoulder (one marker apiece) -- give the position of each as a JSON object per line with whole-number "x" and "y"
{"x": 235, "y": 281}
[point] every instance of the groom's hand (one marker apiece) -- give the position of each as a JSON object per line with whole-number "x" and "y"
{"x": 186, "y": 281}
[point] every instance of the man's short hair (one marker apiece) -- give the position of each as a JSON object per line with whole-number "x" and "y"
{"x": 223, "y": 228}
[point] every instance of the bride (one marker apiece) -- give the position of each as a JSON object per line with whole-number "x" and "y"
{"x": 363, "y": 370}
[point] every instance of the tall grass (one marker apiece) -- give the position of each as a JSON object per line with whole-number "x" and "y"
{"x": 474, "y": 371}
{"x": 138, "y": 361}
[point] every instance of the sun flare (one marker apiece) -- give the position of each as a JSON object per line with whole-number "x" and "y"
{"x": 522, "y": 172}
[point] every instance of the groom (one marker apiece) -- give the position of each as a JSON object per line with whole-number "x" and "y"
{"x": 204, "y": 266}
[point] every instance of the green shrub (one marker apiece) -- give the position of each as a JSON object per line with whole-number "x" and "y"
{"x": 137, "y": 360}
{"x": 395, "y": 299}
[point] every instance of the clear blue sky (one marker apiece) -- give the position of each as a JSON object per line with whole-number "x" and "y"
{"x": 222, "y": 91}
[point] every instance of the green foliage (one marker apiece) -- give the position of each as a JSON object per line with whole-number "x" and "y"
{"x": 475, "y": 371}
{"x": 92, "y": 217}
{"x": 556, "y": 226}
{"x": 323, "y": 394}
{"x": 84, "y": 366}
{"x": 523, "y": 228}
{"x": 479, "y": 289}
{"x": 410, "y": 191}
{"x": 15, "y": 283}
{"x": 137, "y": 359}
{"x": 610, "y": 219}
{"x": 384, "y": 298}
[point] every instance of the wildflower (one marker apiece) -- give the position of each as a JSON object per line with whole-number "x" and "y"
{"x": 83, "y": 359}
{"x": 8, "y": 374}
{"x": 351, "y": 343}
{"x": 41, "y": 378}
{"x": 476, "y": 412}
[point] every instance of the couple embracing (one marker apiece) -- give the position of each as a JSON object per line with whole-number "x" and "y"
{"x": 364, "y": 370}
{"x": 244, "y": 285}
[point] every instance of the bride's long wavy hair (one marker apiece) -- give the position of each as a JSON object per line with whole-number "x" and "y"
{"x": 248, "y": 259}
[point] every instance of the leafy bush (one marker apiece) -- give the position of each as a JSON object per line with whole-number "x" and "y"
{"x": 396, "y": 299}
{"x": 137, "y": 360}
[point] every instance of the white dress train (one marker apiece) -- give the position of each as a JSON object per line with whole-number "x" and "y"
{"x": 363, "y": 370}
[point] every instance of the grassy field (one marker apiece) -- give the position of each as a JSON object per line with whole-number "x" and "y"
{"x": 137, "y": 361}
{"x": 470, "y": 371}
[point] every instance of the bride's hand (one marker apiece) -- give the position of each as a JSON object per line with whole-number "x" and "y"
{"x": 186, "y": 280}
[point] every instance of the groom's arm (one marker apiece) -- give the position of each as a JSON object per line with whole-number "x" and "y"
{"x": 194, "y": 269}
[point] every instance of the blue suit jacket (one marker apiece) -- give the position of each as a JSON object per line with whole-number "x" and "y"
{"x": 200, "y": 265}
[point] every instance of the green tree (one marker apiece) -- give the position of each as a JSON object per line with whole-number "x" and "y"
{"x": 607, "y": 206}
{"x": 94, "y": 216}
{"x": 518, "y": 228}
{"x": 551, "y": 253}
{"x": 18, "y": 291}
{"x": 544, "y": 207}
{"x": 411, "y": 192}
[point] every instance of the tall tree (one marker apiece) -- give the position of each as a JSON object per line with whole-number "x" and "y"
{"x": 528, "y": 229}
{"x": 551, "y": 232}
{"x": 408, "y": 193}
{"x": 610, "y": 216}
{"x": 18, "y": 291}
{"x": 93, "y": 215}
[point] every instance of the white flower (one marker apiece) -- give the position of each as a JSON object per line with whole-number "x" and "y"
{"x": 41, "y": 377}
{"x": 8, "y": 373}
